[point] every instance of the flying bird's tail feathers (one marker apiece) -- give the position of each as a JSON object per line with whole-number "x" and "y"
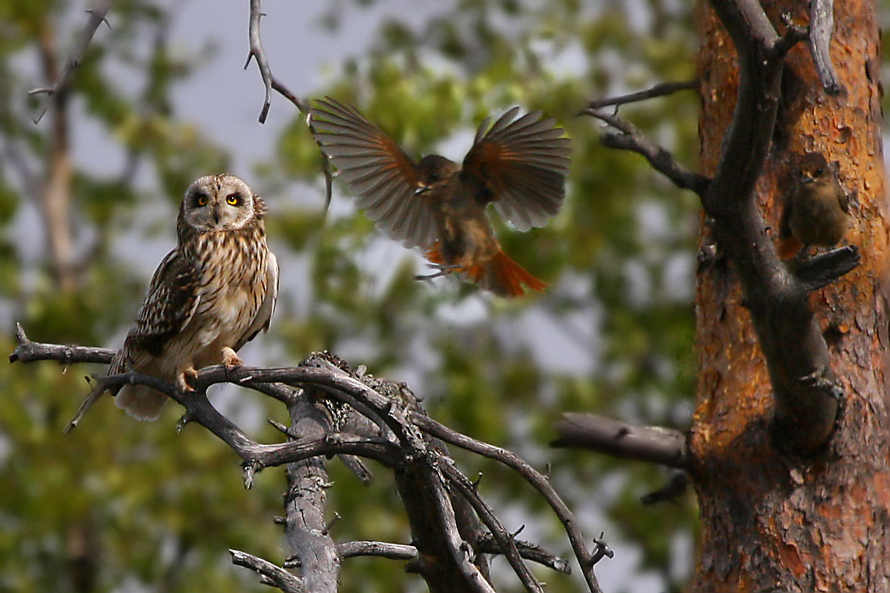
{"x": 504, "y": 277}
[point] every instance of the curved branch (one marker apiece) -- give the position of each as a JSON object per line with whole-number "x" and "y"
{"x": 632, "y": 139}
{"x": 97, "y": 17}
{"x": 270, "y": 574}
{"x": 502, "y": 537}
{"x": 532, "y": 476}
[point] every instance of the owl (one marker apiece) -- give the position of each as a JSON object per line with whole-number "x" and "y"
{"x": 211, "y": 295}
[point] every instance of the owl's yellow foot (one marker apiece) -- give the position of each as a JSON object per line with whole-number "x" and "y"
{"x": 186, "y": 379}
{"x": 230, "y": 359}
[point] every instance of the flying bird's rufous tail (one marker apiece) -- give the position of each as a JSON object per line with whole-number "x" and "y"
{"x": 501, "y": 275}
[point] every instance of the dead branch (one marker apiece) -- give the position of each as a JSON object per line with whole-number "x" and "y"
{"x": 538, "y": 480}
{"x": 820, "y": 31}
{"x": 320, "y": 394}
{"x": 652, "y": 444}
{"x": 659, "y": 90}
{"x": 270, "y": 574}
{"x": 97, "y": 17}
{"x": 632, "y": 139}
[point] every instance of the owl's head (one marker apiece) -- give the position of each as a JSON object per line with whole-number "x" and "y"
{"x": 220, "y": 203}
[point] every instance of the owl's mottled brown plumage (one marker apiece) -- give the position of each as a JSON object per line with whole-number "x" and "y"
{"x": 209, "y": 297}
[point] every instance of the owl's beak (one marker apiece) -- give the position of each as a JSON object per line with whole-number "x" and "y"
{"x": 216, "y": 215}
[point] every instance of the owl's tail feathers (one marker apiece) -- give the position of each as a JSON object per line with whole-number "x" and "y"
{"x": 140, "y": 402}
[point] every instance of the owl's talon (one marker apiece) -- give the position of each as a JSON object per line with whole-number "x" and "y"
{"x": 230, "y": 359}
{"x": 186, "y": 379}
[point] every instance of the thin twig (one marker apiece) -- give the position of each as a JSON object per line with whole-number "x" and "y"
{"x": 504, "y": 539}
{"x": 661, "y": 160}
{"x": 538, "y": 480}
{"x": 659, "y": 90}
{"x": 97, "y": 17}
{"x": 529, "y": 551}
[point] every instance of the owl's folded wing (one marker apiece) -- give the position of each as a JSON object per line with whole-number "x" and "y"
{"x": 168, "y": 308}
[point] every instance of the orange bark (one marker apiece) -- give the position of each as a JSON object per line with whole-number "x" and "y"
{"x": 768, "y": 522}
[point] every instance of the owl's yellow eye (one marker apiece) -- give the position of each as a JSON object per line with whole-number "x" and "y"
{"x": 233, "y": 199}
{"x": 201, "y": 199}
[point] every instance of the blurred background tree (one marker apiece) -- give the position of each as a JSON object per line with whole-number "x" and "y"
{"x": 121, "y": 506}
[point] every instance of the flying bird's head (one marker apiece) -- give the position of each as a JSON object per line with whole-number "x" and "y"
{"x": 433, "y": 171}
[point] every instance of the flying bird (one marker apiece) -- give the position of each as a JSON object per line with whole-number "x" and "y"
{"x": 209, "y": 296}
{"x": 817, "y": 211}
{"x": 518, "y": 164}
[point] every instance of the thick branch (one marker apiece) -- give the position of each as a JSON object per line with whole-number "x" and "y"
{"x": 97, "y": 17}
{"x": 651, "y": 444}
{"x": 306, "y": 500}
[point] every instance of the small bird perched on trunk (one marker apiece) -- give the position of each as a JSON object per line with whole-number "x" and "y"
{"x": 518, "y": 164}
{"x": 817, "y": 212}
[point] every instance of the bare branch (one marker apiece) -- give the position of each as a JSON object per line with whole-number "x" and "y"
{"x": 28, "y": 351}
{"x": 821, "y": 30}
{"x": 270, "y": 574}
{"x": 532, "y": 476}
{"x": 659, "y": 90}
{"x": 97, "y": 17}
{"x": 504, "y": 539}
{"x": 488, "y": 545}
{"x": 306, "y": 500}
{"x": 661, "y": 160}
{"x": 259, "y": 54}
{"x": 371, "y": 548}
{"x": 652, "y": 444}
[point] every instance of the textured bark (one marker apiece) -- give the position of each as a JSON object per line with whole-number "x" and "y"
{"x": 770, "y": 522}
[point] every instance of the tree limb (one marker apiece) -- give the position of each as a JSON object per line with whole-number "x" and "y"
{"x": 659, "y": 90}
{"x": 632, "y": 139}
{"x": 532, "y": 476}
{"x": 652, "y": 444}
{"x": 821, "y": 30}
{"x": 97, "y": 17}
{"x": 270, "y": 574}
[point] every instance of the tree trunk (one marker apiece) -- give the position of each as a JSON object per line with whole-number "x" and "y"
{"x": 770, "y": 522}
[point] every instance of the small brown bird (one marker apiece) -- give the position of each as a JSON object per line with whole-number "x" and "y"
{"x": 817, "y": 211}
{"x": 518, "y": 164}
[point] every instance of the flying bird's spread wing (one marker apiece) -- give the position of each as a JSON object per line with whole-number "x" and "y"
{"x": 523, "y": 163}
{"x": 380, "y": 172}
